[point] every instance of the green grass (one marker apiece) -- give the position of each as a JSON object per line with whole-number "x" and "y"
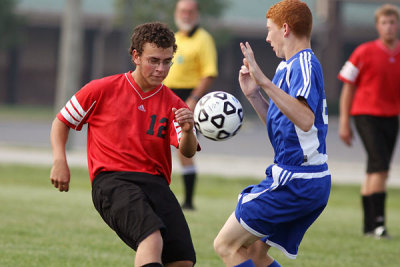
{"x": 40, "y": 226}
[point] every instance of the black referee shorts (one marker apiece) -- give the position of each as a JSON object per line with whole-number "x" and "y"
{"x": 183, "y": 93}
{"x": 379, "y": 136}
{"x": 135, "y": 205}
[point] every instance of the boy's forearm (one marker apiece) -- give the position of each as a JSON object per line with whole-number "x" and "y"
{"x": 188, "y": 144}
{"x": 59, "y": 137}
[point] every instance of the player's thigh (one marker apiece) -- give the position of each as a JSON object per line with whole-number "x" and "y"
{"x": 378, "y": 135}
{"x": 124, "y": 207}
{"x": 178, "y": 245}
{"x": 234, "y": 235}
{"x": 391, "y": 131}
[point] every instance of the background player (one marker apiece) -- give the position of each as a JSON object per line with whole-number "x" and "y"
{"x": 278, "y": 211}
{"x": 371, "y": 94}
{"x": 191, "y": 75}
{"x": 133, "y": 119}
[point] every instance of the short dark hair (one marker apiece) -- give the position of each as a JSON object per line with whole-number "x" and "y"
{"x": 153, "y": 32}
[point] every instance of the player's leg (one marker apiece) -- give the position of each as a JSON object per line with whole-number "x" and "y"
{"x": 385, "y": 142}
{"x": 367, "y": 129}
{"x": 120, "y": 200}
{"x": 179, "y": 264}
{"x": 389, "y": 130}
{"x": 189, "y": 178}
{"x": 189, "y": 174}
{"x": 379, "y": 136}
{"x": 373, "y": 194}
{"x": 368, "y": 225}
{"x": 258, "y": 253}
{"x": 149, "y": 250}
{"x": 377, "y": 182}
{"x": 233, "y": 241}
{"x": 178, "y": 249}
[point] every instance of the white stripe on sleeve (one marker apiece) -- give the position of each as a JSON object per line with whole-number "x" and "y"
{"x": 78, "y": 106}
{"x": 73, "y": 112}
{"x": 349, "y": 71}
{"x": 305, "y": 64}
{"x": 178, "y": 130}
{"x": 68, "y": 117}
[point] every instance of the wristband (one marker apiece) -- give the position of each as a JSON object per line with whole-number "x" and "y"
{"x": 195, "y": 97}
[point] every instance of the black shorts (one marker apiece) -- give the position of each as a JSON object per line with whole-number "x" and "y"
{"x": 183, "y": 93}
{"x": 135, "y": 205}
{"x": 379, "y": 136}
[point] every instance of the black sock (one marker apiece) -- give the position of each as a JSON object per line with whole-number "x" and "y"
{"x": 189, "y": 180}
{"x": 369, "y": 225}
{"x": 378, "y": 202}
{"x": 153, "y": 264}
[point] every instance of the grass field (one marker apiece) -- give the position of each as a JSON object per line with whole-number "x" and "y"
{"x": 40, "y": 226}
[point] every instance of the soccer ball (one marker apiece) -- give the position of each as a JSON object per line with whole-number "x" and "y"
{"x": 218, "y": 115}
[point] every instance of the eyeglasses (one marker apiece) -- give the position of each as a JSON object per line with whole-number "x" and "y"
{"x": 155, "y": 62}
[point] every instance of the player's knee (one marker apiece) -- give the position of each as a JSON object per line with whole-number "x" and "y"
{"x": 222, "y": 248}
{"x": 185, "y": 263}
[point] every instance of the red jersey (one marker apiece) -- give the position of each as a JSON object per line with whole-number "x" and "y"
{"x": 375, "y": 71}
{"x": 128, "y": 130}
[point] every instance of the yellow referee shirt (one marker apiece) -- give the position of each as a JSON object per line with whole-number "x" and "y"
{"x": 195, "y": 59}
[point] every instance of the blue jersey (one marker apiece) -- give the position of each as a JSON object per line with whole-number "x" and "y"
{"x": 295, "y": 191}
{"x": 300, "y": 76}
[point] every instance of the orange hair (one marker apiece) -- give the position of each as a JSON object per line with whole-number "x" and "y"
{"x": 295, "y": 13}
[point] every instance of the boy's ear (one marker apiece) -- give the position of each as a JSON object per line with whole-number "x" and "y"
{"x": 286, "y": 30}
{"x": 135, "y": 57}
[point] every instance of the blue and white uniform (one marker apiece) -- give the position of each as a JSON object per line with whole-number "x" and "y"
{"x": 296, "y": 189}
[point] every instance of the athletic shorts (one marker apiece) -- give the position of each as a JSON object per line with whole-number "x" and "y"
{"x": 183, "y": 93}
{"x": 379, "y": 136}
{"x": 135, "y": 205}
{"x": 282, "y": 207}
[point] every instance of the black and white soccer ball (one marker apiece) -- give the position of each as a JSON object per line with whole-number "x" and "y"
{"x": 218, "y": 115}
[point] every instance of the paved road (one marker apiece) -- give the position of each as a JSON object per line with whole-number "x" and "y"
{"x": 248, "y": 153}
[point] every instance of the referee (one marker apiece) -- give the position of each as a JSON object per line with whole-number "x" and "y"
{"x": 191, "y": 75}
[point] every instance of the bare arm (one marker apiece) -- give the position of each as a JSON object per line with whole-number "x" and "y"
{"x": 60, "y": 174}
{"x": 188, "y": 143}
{"x": 260, "y": 105}
{"x": 252, "y": 92}
{"x": 346, "y": 99}
{"x": 295, "y": 109}
{"x": 200, "y": 90}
